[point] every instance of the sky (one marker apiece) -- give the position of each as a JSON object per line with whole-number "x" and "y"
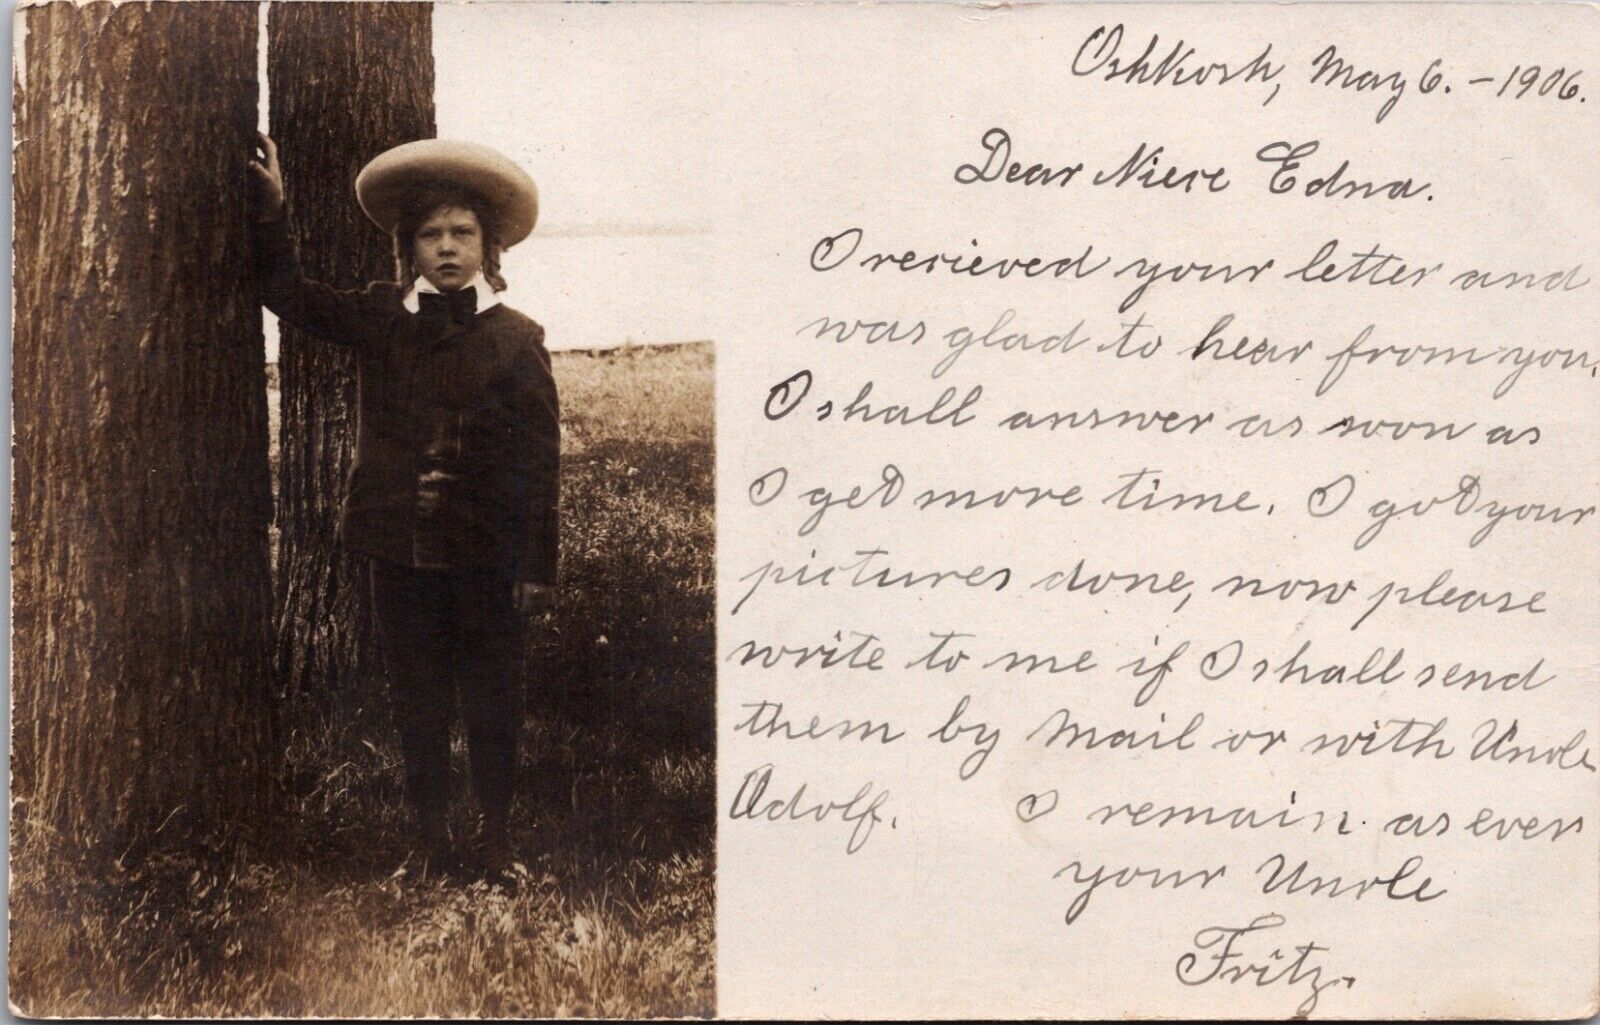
{"x": 608, "y": 133}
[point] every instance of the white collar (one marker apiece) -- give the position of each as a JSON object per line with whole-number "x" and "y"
{"x": 487, "y": 300}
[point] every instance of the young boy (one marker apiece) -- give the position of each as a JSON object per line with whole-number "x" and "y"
{"x": 453, "y": 491}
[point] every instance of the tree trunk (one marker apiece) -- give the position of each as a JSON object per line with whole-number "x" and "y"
{"x": 347, "y": 81}
{"x": 141, "y": 672}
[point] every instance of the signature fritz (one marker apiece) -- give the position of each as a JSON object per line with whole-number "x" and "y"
{"x": 1218, "y": 957}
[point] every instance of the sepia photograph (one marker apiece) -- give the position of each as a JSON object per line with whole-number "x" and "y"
{"x": 363, "y": 517}
{"x": 805, "y": 511}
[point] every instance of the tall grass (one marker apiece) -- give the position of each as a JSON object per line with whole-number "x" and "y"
{"x": 614, "y": 820}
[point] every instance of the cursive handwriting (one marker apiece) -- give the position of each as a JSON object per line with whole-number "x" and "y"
{"x": 862, "y": 811}
{"x": 870, "y": 568}
{"x": 1396, "y": 885}
{"x": 768, "y": 719}
{"x": 1217, "y": 957}
{"x": 1100, "y": 56}
{"x": 1336, "y": 185}
{"x": 1091, "y": 880}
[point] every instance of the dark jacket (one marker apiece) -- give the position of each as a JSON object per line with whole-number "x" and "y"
{"x": 485, "y": 387}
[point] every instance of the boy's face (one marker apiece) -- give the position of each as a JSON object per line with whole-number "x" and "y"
{"x": 449, "y": 248}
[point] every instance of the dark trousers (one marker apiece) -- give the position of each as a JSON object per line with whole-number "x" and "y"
{"x": 452, "y": 634}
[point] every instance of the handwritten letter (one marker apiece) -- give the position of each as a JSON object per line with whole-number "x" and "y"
{"x": 1158, "y": 490}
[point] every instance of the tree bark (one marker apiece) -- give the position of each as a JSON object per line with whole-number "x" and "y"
{"x": 347, "y": 81}
{"x": 141, "y": 669}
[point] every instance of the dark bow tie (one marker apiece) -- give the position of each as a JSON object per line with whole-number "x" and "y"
{"x": 458, "y": 306}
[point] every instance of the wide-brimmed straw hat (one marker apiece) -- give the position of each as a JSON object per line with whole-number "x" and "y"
{"x": 384, "y": 184}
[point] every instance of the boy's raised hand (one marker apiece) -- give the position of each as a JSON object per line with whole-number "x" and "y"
{"x": 269, "y": 179}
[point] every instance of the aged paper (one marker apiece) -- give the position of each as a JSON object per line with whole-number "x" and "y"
{"x": 1156, "y": 478}
{"x": 1153, "y": 529}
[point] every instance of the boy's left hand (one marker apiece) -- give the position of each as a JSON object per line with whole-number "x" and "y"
{"x": 532, "y": 598}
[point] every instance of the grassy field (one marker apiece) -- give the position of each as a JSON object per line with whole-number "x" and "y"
{"x": 614, "y": 821}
